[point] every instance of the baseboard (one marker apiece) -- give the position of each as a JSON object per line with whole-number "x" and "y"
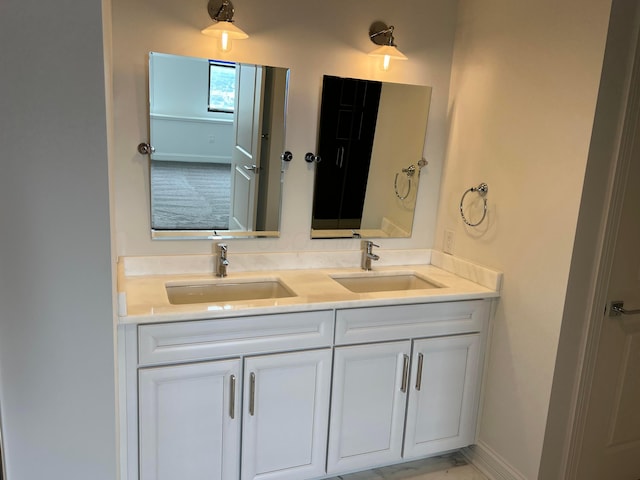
{"x": 490, "y": 463}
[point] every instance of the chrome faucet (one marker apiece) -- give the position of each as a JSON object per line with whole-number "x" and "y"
{"x": 222, "y": 262}
{"x": 368, "y": 255}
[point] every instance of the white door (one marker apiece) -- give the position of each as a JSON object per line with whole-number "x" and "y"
{"x": 189, "y": 421}
{"x": 370, "y": 384}
{"x": 286, "y": 412}
{"x": 442, "y": 397}
{"x": 245, "y": 157}
{"x": 611, "y": 441}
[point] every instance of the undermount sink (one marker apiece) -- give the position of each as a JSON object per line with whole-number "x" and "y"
{"x": 226, "y": 291}
{"x": 387, "y": 282}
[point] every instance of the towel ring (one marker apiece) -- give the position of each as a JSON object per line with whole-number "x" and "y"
{"x": 395, "y": 187}
{"x": 410, "y": 171}
{"x": 482, "y": 190}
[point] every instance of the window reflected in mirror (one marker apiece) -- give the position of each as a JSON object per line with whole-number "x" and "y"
{"x": 217, "y": 129}
{"x": 222, "y": 86}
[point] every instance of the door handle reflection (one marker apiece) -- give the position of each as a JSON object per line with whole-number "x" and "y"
{"x": 252, "y": 168}
{"x": 617, "y": 309}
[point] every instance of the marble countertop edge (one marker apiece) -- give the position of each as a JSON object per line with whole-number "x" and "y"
{"x": 245, "y": 310}
{"x": 144, "y": 298}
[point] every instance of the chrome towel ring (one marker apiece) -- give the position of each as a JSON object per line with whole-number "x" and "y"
{"x": 410, "y": 171}
{"x": 482, "y": 190}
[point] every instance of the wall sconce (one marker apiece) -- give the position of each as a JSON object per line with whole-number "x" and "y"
{"x": 221, "y": 11}
{"x": 381, "y": 34}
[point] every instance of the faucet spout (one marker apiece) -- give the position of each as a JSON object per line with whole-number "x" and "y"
{"x": 368, "y": 255}
{"x": 222, "y": 261}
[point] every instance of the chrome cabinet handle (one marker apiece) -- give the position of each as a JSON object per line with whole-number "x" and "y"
{"x": 419, "y": 375}
{"x": 232, "y": 396}
{"x": 617, "y": 309}
{"x": 340, "y": 156}
{"x": 405, "y": 373}
{"x": 252, "y": 168}
{"x": 252, "y": 393}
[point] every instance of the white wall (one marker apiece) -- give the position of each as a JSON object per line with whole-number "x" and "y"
{"x": 312, "y": 38}
{"x": 56, "y": 324}
{"x": 180, "y": 86}
{"x": 400, "y": 131}
{"x": 181, "y": 126}
{"x": 523, "y": 92}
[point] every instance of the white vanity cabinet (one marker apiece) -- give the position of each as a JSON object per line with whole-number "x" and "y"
{"x": 286, "y": 410}
{"x": 303, "y": 395}
{"x": 442, "y": 395}
{"x": 244, "y": 397}
{"x": 405, "y": 382}
{"x": 368, "y": 405}
{"x": 187, "y": 424}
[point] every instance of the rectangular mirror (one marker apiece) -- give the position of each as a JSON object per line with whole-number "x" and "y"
{"x": 370, "y": 143}
{"x": 217, "y": 130}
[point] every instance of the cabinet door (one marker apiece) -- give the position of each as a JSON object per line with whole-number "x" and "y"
{"x": 368, "y": 405}
{"x": 189, "y": 421}
{"x": 286, "y": 410}
{"x": 441, "y": 411}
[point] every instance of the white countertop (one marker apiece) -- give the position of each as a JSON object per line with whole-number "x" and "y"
{"x": 143, "y": 298}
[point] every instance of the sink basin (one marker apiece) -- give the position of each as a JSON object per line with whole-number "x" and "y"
{"x": 365, "y": 283}
{"x": 226, "y": 291}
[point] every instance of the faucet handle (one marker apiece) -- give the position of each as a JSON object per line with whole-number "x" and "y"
{"x": 222, "y": 262}
{"x": 368, "y": 255}
{"x": 368, "y": 245}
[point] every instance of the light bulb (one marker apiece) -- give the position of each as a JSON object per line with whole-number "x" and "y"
{"x": 225, "y": 42}
{"x": 386, "y": 62}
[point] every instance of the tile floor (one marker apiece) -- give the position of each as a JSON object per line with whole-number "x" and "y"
{"x": 446, "y": 467}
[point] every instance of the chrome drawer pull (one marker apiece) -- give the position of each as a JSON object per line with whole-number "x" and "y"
{"x": 252, "y": 393}
{"x": 419, "y": 376}
{"x": 232, "y": 396}
{"x": 405, "y": 373}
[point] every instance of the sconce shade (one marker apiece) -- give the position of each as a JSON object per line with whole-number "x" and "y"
{"x": 220, "y": 28}
{"x": 388, "y": 52}
{"x": 225, "y": 32}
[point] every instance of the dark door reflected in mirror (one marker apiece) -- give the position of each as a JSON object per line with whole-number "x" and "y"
{"x": 347, "y": 125}
{"x": 217, "y": 129}
{"x": 370, "y": 141}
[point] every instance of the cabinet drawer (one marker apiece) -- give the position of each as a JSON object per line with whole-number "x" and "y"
{"x": 205, "y": 339}
{"x": 372, "y": 324}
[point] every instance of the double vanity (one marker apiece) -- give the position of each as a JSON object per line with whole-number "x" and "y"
{"x": 297, "y": 365}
